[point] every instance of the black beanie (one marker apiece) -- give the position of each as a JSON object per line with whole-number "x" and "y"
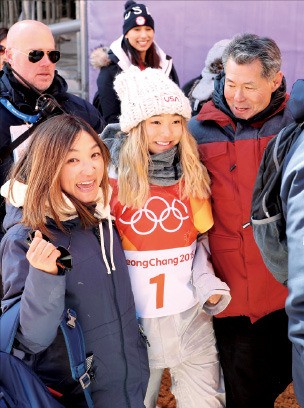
{"x": 136, "y": 15}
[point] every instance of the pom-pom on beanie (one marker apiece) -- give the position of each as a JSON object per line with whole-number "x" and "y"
{"x": 148, "y": 93}
{"x": 136, "y": 15}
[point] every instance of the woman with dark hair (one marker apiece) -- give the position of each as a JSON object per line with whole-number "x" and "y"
{"x": 135, "y": 47}
{"x": 58, "y": 202}
{"x": 3, "y": 35}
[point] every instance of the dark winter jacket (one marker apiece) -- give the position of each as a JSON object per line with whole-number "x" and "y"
{"x": 295, "y": 102}
{"x": 111, "y": 63}
{"x": 24, "y": 100}
{"x": 231, "y": 149}
{"x": 104, "y": 304}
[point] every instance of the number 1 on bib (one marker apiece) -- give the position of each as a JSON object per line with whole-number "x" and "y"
{"x": 160, "y": 287}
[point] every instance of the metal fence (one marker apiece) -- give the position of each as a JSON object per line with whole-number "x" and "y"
{"x": 47, "y": 11}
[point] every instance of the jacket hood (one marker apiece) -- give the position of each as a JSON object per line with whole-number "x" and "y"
{"x": 16, "y": 199}
{"x": 13, "y": 216}
{"x": 100, "y": 57}
{"x": 103, "y": 56}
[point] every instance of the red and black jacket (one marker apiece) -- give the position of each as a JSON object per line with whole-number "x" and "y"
{"x": 232, "y": 149}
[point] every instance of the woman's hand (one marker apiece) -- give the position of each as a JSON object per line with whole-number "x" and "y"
{"x": 42, "y": 254}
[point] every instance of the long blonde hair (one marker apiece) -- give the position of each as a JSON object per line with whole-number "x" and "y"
{"x": 40, "y": 168}
{"x": 134, "y": 159}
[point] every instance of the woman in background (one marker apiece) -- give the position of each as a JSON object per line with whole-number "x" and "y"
{"x": 135, "y": 47}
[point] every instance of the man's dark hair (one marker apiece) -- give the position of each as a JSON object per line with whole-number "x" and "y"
{"x": 246, "y": 48}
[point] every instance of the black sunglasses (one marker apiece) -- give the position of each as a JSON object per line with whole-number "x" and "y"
{"x": 2, "y": 49}
{"x": 64, "y": 262}
{"x": 37, "y": 55}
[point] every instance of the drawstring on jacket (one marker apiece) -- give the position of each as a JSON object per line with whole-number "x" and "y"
{"x": 102, "y": 245}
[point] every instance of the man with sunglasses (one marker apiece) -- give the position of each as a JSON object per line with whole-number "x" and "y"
{"x": 30, "y": 71}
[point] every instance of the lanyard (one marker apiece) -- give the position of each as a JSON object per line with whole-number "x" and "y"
{"x": 20, "y": 115}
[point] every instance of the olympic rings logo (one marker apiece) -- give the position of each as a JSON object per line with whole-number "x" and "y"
{"x": 140, "y": 215}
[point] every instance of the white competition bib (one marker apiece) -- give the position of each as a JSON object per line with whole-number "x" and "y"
{"x": 161, "y": 280}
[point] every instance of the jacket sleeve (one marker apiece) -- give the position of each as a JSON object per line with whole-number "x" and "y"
{"x": 42, "y": 296}
{"x": 108, "y": 100}
{"x": 292, "y": 194}
{"x": 204, "y": 280}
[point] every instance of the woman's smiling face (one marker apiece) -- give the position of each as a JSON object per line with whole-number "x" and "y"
{"x": 141, "y": 38}
{"x": 163, "y": 132}
{"x": 83, "y": 169}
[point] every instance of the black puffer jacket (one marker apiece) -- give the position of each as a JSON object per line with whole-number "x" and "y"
{"x": 111, "y": 63}
{"x": 24, "y": 100}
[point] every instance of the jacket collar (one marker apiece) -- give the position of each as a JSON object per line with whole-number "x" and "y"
{"x": 16, "y": 199}
{"x": 17, "y": 196}
{"x": 117, "y": 55}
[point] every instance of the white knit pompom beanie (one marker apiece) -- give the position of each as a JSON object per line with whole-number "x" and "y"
{"x": 147, "y": 93}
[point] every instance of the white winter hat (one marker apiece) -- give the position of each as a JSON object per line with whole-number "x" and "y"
{"x": 205, "y": 86}
{"x": 147, "y": 93}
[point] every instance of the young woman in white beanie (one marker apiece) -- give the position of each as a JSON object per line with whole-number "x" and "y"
{"x": 161, "y": 204}
{"x": 135, "y": 47}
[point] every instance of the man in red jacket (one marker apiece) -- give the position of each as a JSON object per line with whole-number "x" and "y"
{"x": 232, "y": 130}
